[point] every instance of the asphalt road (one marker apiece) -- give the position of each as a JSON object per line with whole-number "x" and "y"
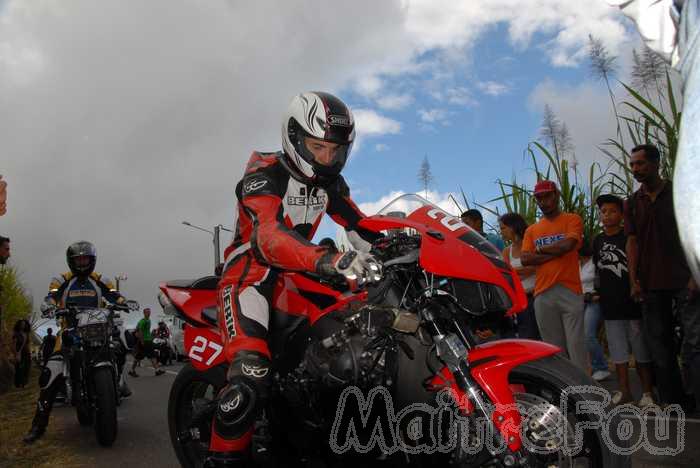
{"x": 143, "y": 439}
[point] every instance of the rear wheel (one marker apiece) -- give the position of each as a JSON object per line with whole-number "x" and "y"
{"x": 191, "y": 408}
{"x": 106, "y": 402}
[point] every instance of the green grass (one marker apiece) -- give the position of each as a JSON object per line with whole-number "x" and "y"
{"x": 16, "y": 412}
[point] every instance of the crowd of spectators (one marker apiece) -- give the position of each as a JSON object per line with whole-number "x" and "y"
{"x": 629, "y": 289}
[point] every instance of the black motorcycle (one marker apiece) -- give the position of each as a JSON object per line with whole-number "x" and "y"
{"x": 90, "y": 368}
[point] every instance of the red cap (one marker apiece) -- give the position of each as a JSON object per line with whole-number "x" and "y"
{"x": 544, "y": 186}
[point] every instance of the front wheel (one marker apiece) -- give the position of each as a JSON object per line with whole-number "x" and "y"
{"x": 84, "y": 413}
{"x": 106, "y": 406}
{"x": 191, "y": 408}
{"x": 541, "y": 388}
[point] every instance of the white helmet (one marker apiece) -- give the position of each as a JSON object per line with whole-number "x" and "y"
{"x": 322, "y": 116}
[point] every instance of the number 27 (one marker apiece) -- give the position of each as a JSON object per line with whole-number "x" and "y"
{"x": 200, "y": 344}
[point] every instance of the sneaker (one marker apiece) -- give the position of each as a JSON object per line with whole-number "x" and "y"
{"x": 124, "y": 392}
{"x": 646, "y": 400}
{"x": 600, "y": 375}
{"x": 160, "y": 372}
{"x": 133, "y": 373}
{"x": 618, "y": 398}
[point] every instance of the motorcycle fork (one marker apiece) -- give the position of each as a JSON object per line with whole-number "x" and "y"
{"x": 504, "y": 419}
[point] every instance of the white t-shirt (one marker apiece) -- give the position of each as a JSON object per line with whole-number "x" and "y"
{"x": 528, "y": 282}
{"x": 588, "y": 276}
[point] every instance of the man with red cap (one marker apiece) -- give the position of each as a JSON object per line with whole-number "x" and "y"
{"x": 551, "y": 246}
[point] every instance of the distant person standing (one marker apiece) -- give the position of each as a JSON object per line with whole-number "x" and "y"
{"x": 4, "y": 257}
{"x": 23, "y": 356}
{"x": 144, "y": 347}
{"x": 4, "y": 250}
{"x": 592, "y": 317}
{"x": 474, "y": 220}
{"x": 623, "y": 325}
{"x": 47, "y": 346}
{"x": 513, "y": 228}
{"x": 551, "y": 246}
{"x": 658, "y": 271}
{"x": 3, "y": 196}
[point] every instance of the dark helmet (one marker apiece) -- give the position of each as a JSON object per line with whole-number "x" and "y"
{"x": 324, "y": 117}
{"x": 81, "y": 257}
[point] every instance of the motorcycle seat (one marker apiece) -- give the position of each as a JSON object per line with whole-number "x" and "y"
{"x": 205, "y": 282}
{"x": 211, "y": 315}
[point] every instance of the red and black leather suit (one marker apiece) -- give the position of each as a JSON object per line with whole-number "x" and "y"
{"x": 277, "y": 217}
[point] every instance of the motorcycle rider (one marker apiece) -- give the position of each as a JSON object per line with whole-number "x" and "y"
{"x": 80, "y": 287}
{"x": 281, "y": 200}
{"x": 163, "y": 333}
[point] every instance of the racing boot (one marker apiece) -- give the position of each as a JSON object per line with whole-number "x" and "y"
{"x": 41, "y": 420}
{"x": 261, "y": 443}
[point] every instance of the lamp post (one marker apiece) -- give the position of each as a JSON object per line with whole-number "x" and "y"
{"x": 119, "y": 278}
{"x": 216, "y": 236}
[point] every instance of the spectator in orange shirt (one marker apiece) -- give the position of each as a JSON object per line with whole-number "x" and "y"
{"x": 551, "y": 246}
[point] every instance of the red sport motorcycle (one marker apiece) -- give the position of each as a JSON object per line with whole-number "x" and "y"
{"x": 395, "y": 375}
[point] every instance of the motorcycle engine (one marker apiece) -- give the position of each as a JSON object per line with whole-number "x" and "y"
{"x": 361, "y": 352}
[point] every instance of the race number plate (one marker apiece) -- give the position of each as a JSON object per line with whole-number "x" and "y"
{"x": 204, "y": 347}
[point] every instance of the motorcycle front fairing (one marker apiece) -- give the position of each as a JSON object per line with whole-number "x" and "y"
{"x": 450, "y": 248}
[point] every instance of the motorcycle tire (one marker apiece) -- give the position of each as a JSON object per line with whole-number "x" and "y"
{"x": 546, "y": 381}
{"x": 86, "y": 416}
{"x": 106, "y": 402}
{"x": 191, "y": 385}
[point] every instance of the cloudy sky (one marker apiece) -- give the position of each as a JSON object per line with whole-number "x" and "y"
{"x": 120, "y": 119}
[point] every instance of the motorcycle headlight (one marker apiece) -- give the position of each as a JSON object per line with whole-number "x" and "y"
{"x": 93, "y": 333}
{"x": 164, "y": 300}
{"x": 479, "y": 298}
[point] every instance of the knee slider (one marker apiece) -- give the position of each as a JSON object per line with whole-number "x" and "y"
{"x": 254, "y": 368}
{"x": 237, "y": 409}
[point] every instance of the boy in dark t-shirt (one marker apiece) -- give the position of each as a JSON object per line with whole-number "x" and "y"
{"x": 622, "y": 315}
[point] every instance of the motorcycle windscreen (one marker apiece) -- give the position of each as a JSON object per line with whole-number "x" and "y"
{"x": 450, "y": 248}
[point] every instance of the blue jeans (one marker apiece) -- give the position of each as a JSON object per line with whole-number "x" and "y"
{"x": 591, "y": 319}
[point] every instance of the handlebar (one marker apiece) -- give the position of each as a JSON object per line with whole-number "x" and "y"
{"x": 70, "y": 310}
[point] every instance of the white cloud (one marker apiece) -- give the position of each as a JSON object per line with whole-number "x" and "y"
{"x": 587, "y": 112}
{"x": 432, "y": 115}
{"x": 493, "y": 88}
{"x": 395, "y": 101}
{"x": 460, "y": 96}
{"x": 450, "y": 24}
{"x": 368, "y": 85}
{"x": 380, "y": 147}
{"x": 152, "y": 108}
{"x": 370, "y": 122}
{"x": 437, "y": 198}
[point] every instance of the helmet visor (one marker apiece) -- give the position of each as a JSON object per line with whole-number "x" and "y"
{"x": 328, "y": 158}
{"x": 82, "y": 261}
